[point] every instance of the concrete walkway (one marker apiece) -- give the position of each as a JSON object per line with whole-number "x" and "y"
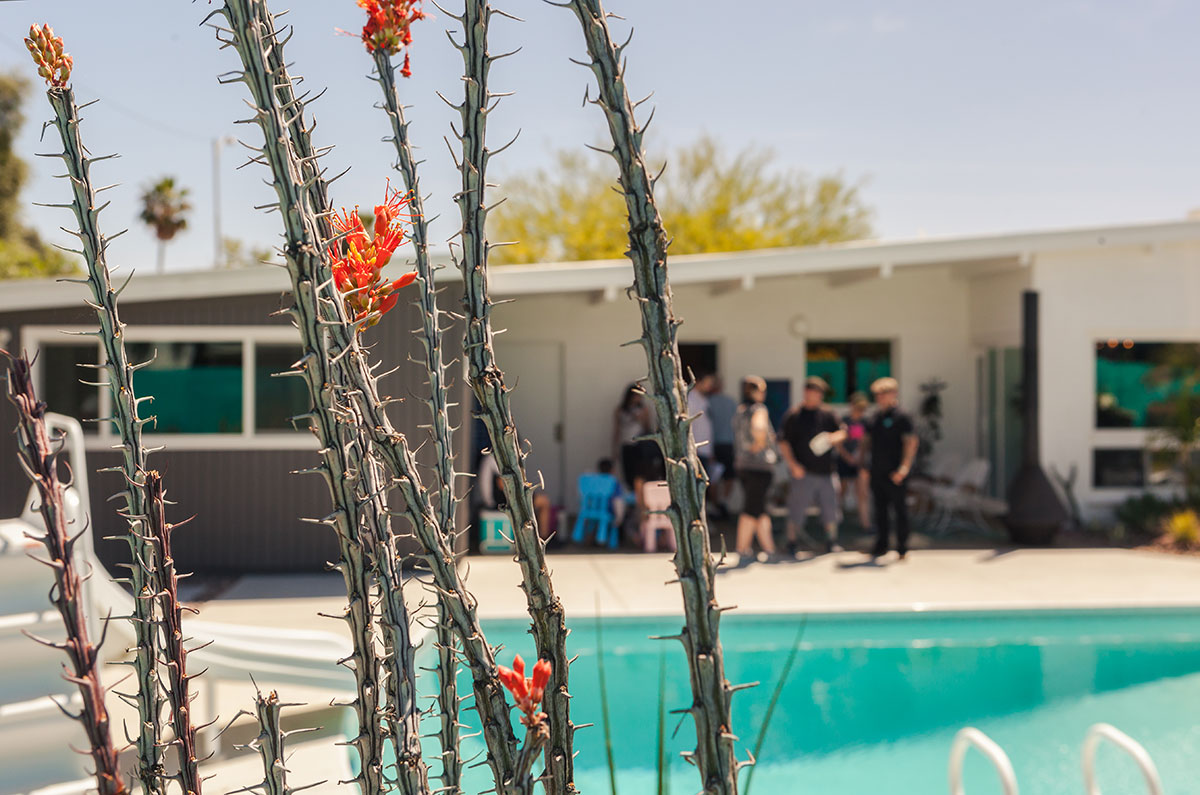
{"x": 635, "y": 584}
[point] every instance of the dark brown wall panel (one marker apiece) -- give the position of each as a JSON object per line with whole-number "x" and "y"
{"x": 248, "y": 507}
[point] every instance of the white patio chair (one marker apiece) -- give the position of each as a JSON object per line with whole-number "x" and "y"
{"x": 965, "y": 497}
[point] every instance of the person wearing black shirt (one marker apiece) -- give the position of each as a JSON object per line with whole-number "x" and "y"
{"x": 812, "y": 463}
{"x": 892, "y": 441}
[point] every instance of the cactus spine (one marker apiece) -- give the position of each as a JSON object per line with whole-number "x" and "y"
{"x": 253, "y": 35}
{"x": 40, "y": 462}
{"x": 711, "y": 692}
{"x": 401, "y": 711}
{"x": 269, "y": 744}
{"x": 442, "y": 435}
{"x": 487, "y": 382}
{"x": 144, "y": 565}
{"x": 320, "y": 317}
{"x": 174, "y": 650}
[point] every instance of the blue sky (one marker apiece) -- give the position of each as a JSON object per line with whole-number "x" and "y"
{"x": 957, "y": 117}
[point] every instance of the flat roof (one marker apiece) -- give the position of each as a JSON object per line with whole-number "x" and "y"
{"x": 613, "y": 275}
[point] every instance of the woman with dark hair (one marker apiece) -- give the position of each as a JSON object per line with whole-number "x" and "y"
{"x": 755, "y": 456}
{"x": 631, "y": 421}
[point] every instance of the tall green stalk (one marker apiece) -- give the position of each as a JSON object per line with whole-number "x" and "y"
{"x": 358, "y": 513}
{"x": 143, "y": 566}
{"x": 441, "y": 433}
{"x": 336, "y": 369}
{"x": 487, "y": 382}
{"x": 774, "y": 702}
{"x": 711, "y": 693}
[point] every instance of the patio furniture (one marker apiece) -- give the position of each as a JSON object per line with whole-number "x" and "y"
{"x": 596, "y": 494}
{"x": 941, "y": 472}
{"x": 656, "y": 499}
{"x": 965, "y": 497}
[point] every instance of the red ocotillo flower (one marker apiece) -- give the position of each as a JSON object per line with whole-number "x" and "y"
{"x": 47, "y": 50}
{"x": 388, "y": 26}
{"x": 359, "y": 259}
{"x": 527, "y": 692}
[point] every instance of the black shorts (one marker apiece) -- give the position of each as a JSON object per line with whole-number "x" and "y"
{"x": 631, "y": 464}
{"x": 755, "y": 485}
{"x": 723, "y": 453}
{"x": 848, "y": 471}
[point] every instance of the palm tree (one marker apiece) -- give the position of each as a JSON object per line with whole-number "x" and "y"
{"x": 164, "y": 209}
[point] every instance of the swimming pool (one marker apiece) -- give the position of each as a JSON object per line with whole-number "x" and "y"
{"x": 873, "y": 700}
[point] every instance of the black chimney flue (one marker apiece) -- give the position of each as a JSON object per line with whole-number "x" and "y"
{"x": 1035, "y": 512}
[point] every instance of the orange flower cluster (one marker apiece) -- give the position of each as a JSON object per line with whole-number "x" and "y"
{"x": 527, "y": 692}
{"x": 47, "y": 50}
{"x": 388, "y": 26}
{"x": 359, "y": 259}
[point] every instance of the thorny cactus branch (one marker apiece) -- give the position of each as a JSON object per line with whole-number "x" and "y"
{"x": 269, "y": 744}
{"x": 487, "y": 382}
{"x": 711, "y": 692}
{"x": 143, "y": 566}
{"x": 254, "y": 39}
{"x": 320, "y": 317}
{"x": 174, "y": 651}
{"x": 403, "y": 713}
{"x": 40, "y": 462}
{"x": 431, "y": 338}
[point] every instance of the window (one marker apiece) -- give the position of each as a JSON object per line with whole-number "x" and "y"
{"x": 1145, "y": 384}
{"x": 211, "y": 385}
{"x": 1118, "y": 468}
{"x": 698, "y": 359}
{"x": 64, "y": 367}
{"x": 197, "y": 386}
{"x": 847, "y": 366}
{"x": 277, "y": 399}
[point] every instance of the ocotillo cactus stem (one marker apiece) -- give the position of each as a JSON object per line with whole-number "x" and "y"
{"x": 39, "y": 458}
{"x": 711, "y": 692}
{"x": 326, "y": 337}
{"x": 174, "y": 650}
{"x": 125, "y": 420}
{"x": 441, "y": 433}
{"x": 487, "y": 382}
{"x": 269, "y": 745}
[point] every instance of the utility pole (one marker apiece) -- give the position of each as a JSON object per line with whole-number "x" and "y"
{"x": 218, "y": 242}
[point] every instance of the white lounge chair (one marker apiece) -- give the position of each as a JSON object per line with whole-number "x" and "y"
{"x": 965, "y": 497}
{"x": 35, "y": 738}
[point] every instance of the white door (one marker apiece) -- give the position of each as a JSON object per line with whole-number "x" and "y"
{"x": 533, "y": 370}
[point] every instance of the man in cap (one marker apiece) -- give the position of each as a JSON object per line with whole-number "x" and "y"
{"x": 809, "y": 436}
{"x": 892, "y": 442}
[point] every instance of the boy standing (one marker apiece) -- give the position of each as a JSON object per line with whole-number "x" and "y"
{"x": 809, "y": 435}
{"x": 892, "y": 440}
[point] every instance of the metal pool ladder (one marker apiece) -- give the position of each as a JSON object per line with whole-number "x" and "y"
{"x": 987, "y": 746}
{"x": 1103, "y": 731}
{"x": 995, "y": 754}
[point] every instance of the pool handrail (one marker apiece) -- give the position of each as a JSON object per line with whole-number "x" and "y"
{"x": 1105, "y": 731}
{"x": 963, "y": 741}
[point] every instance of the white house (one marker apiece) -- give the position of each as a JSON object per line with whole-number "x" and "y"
{"x": 938, "y": 308}
{"x": 1113, "y": 300}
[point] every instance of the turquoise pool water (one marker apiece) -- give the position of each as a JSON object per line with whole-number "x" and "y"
{"x": 873, "y": 700}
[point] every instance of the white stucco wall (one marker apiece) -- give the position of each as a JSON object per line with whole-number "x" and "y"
{"x": 924, "y": 312}
{"x": 995, "y": 307}
{"x": 1148, "y": 294}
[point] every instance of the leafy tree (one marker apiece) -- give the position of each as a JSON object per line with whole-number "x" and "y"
{"x": 709, "y": 201}
{"x": 238, "y": 255}
{"x": 164, "y": 210}
{"x": 22, "y": 251}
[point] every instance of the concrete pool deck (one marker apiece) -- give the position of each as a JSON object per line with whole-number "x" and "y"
{"x": 636, "y": 584}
